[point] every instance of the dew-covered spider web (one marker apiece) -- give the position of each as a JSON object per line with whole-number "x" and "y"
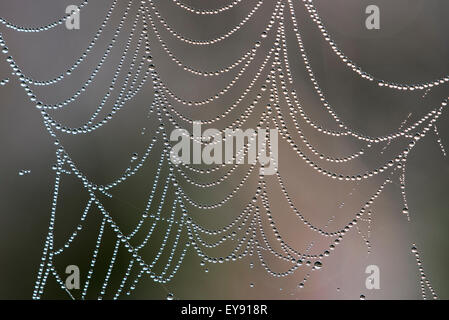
{"x": 221, "y": 213}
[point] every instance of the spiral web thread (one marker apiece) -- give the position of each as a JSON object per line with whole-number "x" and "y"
{"x": 246, "y": 230}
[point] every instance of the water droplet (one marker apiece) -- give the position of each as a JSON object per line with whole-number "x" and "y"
{"x": 170, "y": 296}
{"x": 24, "y": 172}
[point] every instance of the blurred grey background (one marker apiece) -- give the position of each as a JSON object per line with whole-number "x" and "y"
{"x": 411, "y": 46}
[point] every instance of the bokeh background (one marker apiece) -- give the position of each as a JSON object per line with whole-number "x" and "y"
{"x": 411, "y": 46}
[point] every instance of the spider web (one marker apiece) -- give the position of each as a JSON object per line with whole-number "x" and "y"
{"x": 268, "y": 81}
